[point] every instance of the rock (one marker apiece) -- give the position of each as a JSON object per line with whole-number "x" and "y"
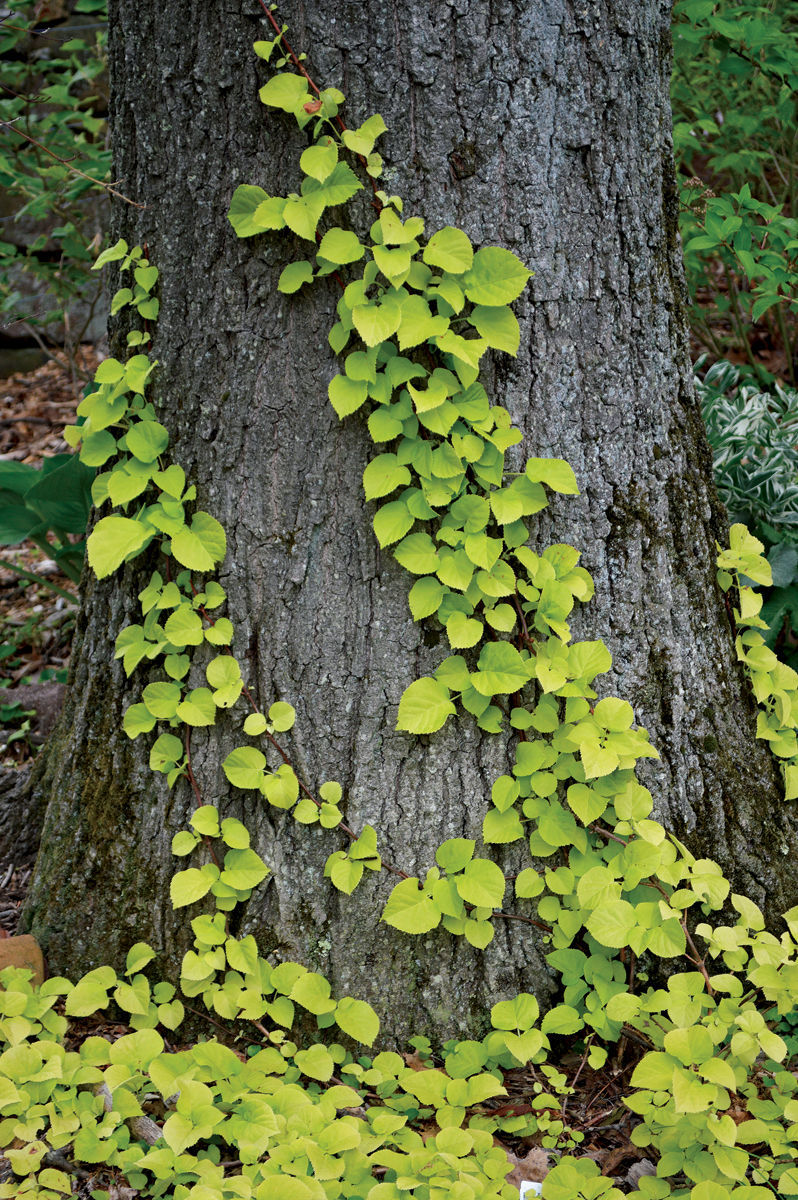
{"x": 22, "y": 951}
{"x": 46, "y": 698}
{"x": 637, "y": 1171}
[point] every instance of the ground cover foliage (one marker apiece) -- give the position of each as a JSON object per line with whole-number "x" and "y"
{"x": 285, "y": 1113}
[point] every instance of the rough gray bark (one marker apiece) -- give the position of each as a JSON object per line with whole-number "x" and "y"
{"x": 542, "y": 126}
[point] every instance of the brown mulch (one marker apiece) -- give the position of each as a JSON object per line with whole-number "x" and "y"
{"x": 35, "y": 407}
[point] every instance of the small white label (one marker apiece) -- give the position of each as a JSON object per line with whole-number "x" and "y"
{"x": 528, "y": 1187}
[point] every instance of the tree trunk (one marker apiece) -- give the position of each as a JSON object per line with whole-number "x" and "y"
{"x": 542, "y": 126}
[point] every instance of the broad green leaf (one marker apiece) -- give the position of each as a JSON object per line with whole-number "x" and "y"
{"x": 244, "y": 767}
{"x": 202, "y": 545}
{"x": 425, "y": 597}
{"x": 496, "y": 277}
{"x": 501, "y": 827}
{"x": 183, "y": 627}
{"x": 612, "y": 923}
{"x": 243, "y": 869}
{"x": 340, "y": 246}
{"x": 255, "y": 724}
{"x": 162, "y": 699}
{"x": 288, "y": 92}
{"x": 198, "y": 708}
{"x": 463, "y": 631}
{"x": 498, "y": 326}
{"x": 410, "y": 909}
{"x": 137, "y": 719}
{"x": 282, "y": 716}
{"x": 234, "y": 834}
{"x": 319, "y": 160}
{"x": 312, "y": 991}
{"x": 112, "y": 540}
{"x": 376, "y": 322}
{"x": 302, "y": 216}
{"x": 383, "y": 475}
{"x": 455, "y": 853}
{"x": 519, "y": 1013}
{"x": 425, "y": 706}
{"x": 482, "y": 883}
{"x": 357, "y": 1019}
{"x": 293, "y": 276}
{"x": 245, "y": 200}
{"x": 417, "y": 553}
{"x": 184, "y": 843}
{"x": 166, "y": 752}
{"x": 556, "y": 473}
{"x": 138, "y": 956}
{"x": 344, "y": 874}
{"x": 145, "y": 440}
{"x": 418, "y": 323}
{"x": 205, "y": 820}
{"x": 347, "y": 395}
{"x": 189, "y": 886}
{"x": 501, "y": 670}
{"x": 392, "y": 521}
{"x": 449, "y": 249}
{"x": 111, "y": 254}
{"x": 562, "y": 1020}
{"x": 317, "y": 1063}
{"x": 90, "y": 993}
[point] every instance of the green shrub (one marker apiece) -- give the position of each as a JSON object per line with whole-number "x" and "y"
{"x": 53, "y": 156}
{"x": 734, "y": 91}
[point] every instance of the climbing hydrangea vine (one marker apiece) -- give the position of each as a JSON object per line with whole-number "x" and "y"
{"x": 608, "y": 886}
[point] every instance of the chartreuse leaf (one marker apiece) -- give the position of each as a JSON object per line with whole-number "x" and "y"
{"x": 90, "y": 993}
{"x": 201, "y": 545}
{"x": 320, "y": 160}
{"x": 189, "y": 886}
{"x": 243, "y": 204}
{"x": 293, "y": 276}
{"x": 282, "y": 716}
{"x": 288, "y": 92}
{"x": 358, "y": 1019}
{"x": 498, "y": 326}
{"x": 425, "y": 706}
{"x": 410, "y": 909}
{"x": 244, "y": 767}
{"x": 347, "y": 395}
{"x": 243, "y": 869}
{"x": 112, "y": 541}
{"x": 450, "y": 250}
{"x": 224, "y": 675}
{"x": 340, "y": 246}
{"x": 556, "y": 473}
{"x": 496, "y": 277}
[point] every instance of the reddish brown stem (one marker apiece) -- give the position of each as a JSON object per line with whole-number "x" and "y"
{"x": 517, "y": 917}
{"x": 275, "y": 24}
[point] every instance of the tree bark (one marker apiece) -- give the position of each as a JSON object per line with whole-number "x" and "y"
{"x": 542, "y": 126}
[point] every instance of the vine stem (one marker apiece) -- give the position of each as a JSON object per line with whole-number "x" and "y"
{"x": 112, "y": 191}
{"x": 275, "y": 24}
{"x": 517, "y": 917}
{"x": 347, "y": 829}
{"x": 197, "y": 793}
